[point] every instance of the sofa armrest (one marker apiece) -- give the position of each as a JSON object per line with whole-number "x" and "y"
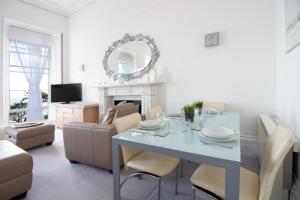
{"x": 84, "y": 125}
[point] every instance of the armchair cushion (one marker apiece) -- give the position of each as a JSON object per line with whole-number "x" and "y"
{"x": 109, "y": 116}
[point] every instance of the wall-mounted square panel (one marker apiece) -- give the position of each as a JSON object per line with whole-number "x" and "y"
{"x": 212, "y": 39}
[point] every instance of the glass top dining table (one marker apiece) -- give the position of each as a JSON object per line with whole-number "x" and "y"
{"x": 189, "y": 145}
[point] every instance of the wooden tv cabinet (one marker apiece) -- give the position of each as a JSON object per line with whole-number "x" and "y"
{"x": 76, "y": 112}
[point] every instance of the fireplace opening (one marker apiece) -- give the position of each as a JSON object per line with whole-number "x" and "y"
{"x": 136, "y": 102}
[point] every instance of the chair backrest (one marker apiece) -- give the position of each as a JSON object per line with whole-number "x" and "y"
{"x": 221, "y": 107}
{"x": 123, "y": 124}
{"x": 152, "y": 112}
{"x": 126, "y": 109}
{"x": 278, "y": 145}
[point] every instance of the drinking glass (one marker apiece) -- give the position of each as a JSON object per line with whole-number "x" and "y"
{"x": 189, "y": 124}
{"x": 173, "y": 124}
{"x": 183, "y": 125}
{"x": 161, "y": 116}
{"x": 197, "y": 118}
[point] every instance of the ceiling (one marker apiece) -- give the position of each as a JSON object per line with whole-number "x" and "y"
{"x": 62, "y": 7}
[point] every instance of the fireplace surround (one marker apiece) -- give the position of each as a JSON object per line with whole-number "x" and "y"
{"x": 145, "y": 93}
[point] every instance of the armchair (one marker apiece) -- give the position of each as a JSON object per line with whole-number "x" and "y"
{"x": 91, "y": 143}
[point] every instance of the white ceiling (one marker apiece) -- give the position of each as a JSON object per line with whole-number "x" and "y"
{"x": 63, "y": 7}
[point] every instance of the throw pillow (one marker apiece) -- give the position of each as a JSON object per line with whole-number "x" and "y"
{"x": 109, "y": 116}
{"x": 121, "y": 103}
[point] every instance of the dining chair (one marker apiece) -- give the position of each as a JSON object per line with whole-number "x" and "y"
{"x": 221, "y": 107}
{"x": 211, "y": 179}
{"x": 146, "y": 163}
{"x": 152, "y": 112}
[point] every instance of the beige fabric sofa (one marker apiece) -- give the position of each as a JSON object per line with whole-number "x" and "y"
{"x": 15, "y": 171}
{"x": 91, "y": 143}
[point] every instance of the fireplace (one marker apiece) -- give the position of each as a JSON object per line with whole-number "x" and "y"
{"x": 136, "y": 102}
{"x": 143, "y": 94}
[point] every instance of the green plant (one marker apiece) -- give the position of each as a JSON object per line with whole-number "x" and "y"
{"x": 197, "y": 104}
{"x": 20, "y": 116}
{"x": 188, "y": 108}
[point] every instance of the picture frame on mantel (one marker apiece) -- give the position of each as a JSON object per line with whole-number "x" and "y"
{"x": 292, "y": 24}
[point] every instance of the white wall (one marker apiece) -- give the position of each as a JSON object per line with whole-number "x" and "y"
{"x": 287, "y": 86}
{"x": 13, "y": 9}
{"x": 288, "y": 76}
{"x": 240, "y": 72}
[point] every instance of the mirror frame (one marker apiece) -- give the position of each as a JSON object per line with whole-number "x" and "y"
{"x": 126, "y": 39}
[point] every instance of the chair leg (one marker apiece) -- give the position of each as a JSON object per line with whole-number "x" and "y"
{"x": 194, "y": 194}
{"x": 181, "y": 168}
{"x": 159, "y": 186}
{"x": 140, "y": 176}
{"x": 176, "y": 181}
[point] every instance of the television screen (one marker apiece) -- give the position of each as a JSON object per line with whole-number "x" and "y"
{"x": 66, "y": 92}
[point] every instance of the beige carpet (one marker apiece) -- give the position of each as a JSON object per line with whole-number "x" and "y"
{"x": 54, "y": 178}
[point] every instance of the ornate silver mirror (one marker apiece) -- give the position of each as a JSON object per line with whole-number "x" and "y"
{"x": 131, "y": 57}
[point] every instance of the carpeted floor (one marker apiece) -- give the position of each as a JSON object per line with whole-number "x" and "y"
{"x": 54, "y": 178}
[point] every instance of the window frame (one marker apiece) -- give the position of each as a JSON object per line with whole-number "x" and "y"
{"x": 56, "y": 64}
{"x": 48, "y": 70}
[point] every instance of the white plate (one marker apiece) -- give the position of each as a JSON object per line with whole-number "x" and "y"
{"x": 232, "y": 138}
{"x": 148, "y": 128}
{"x": 220, "y": 133}
{"x": 211, "y": 111}
{"x": 149, "y": 124}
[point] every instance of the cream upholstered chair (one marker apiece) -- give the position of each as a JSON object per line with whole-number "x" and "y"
{"x": 152, "y": 112}
{"x": 221, "y": 107}
{"x": 252, "y": 187}
{"x": 149, "y": 163}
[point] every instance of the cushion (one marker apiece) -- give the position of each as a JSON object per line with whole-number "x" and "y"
{"x": 153, "y": 163}
{"x": 127, "y": 109}
{"x": 121, "y": 103}
{"x": 109, "y": 116}
{"x": 14, "y": 161}
{"x": 212, "y": 178}
{"x": 22, "y": 133}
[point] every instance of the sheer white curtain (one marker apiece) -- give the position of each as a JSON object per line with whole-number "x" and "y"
{"x": 34, "y": 59}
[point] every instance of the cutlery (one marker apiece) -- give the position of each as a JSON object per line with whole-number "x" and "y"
{"x": 196, "y": 129}
{"x": 217, "y": 144}
{"x": 141, "y": 131}
{"x": 150, "y": 132}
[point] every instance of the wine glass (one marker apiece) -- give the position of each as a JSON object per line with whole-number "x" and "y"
{"x": 161, "y": 116}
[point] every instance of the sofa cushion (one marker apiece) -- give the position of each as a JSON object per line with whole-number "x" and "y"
{"x": 14, "y": 161}
{"x": 22, "y": 133}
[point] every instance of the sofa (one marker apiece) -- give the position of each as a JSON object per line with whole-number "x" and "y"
{"x": 91, "y": 143}
{"x": 15, "y": 171}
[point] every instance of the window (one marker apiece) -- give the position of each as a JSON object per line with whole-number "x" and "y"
{"x": 25, "y": 61}
{"x": 32, "y": 60}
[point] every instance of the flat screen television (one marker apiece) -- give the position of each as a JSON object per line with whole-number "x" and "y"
{"x": 66, "y": 93}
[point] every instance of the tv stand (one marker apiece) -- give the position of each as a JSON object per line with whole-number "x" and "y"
{"x": 76, "y": 112}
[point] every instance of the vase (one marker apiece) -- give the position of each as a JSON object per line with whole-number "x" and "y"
{"x": 189, "y": 117}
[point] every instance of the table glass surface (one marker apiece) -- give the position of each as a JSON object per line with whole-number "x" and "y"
{"x": 189, "y": 141}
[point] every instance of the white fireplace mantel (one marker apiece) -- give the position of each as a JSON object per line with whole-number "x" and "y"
{"x": 146, "y": 92}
